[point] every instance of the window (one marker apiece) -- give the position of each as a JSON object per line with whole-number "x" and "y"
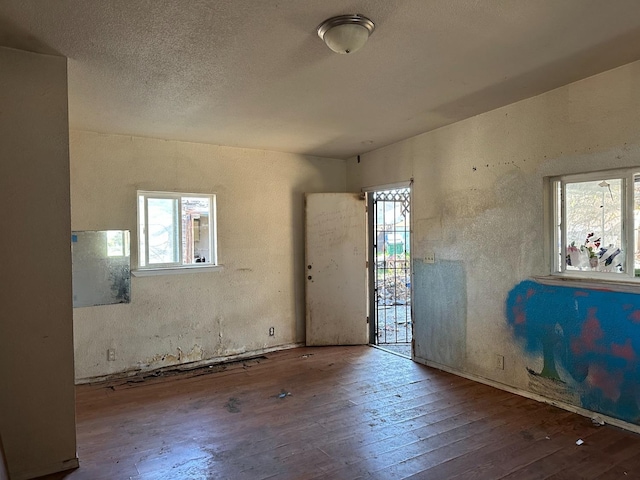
{"x": 595, "y": 225}
{"x": 176, "y": 230}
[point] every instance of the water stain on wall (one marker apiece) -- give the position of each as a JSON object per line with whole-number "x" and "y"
{"x": 588, "y": 341}
{"x": 468, "y": 203}
{"x": 195, "y": 354}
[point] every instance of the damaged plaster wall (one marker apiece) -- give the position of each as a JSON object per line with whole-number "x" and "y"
{"x": 176, "y": 319}
{"x": 478, "y": 205}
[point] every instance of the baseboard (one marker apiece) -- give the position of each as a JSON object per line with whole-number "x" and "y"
{"x": 57, "y": 467}
{"x": 188, "y": 365}
{"x": 533, "y": 396}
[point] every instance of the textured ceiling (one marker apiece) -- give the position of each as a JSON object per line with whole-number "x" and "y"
{"x": 253, "y": 73}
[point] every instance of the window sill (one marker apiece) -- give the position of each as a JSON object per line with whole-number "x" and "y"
{"x": 152, "y": 272}
{"x": 625, "y": 286}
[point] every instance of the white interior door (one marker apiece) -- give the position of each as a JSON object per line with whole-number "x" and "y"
{"x": 336, "y": 273}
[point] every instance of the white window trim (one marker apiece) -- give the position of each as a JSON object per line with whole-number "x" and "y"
{"x": 152, "y": 272}
{"x": 176, "y": 268}
{"x": 623, "y": 282}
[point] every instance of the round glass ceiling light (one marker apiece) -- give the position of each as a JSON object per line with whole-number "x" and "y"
{"x": 346, "y": 33}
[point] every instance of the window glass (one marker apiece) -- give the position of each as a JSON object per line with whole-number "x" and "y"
{"x": 176, "y": 229}
{"x": 142, "y": 246}
{"x": 558, "y": 226}
{"x": 594, "y": 219}
{"x": 162, "y": 230}
{"x": 636, "y": 223}
{"x": 195, "y": 224}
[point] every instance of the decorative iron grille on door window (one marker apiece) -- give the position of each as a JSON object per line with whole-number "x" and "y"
{"x": 392, "y": 278}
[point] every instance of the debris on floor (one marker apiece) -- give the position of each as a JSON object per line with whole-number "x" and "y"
{"x": 597, "y": 421}
{"x": 394, "y": 291}
{"x": 283, "y": 393}
{"x": 580, "y": 442}
{"x": 123, "y": 380}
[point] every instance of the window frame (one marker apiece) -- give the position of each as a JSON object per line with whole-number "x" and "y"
{"x": 146, "y": 269}
{"x": 557, "y": 232}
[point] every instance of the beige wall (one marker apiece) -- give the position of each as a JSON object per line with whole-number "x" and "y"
{"x": 37, "y": 417}
{"x": 478, "y": 205}
{"x": 198, "y": 316}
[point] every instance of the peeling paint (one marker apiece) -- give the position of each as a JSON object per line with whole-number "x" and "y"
{"x": 195, "y": 354}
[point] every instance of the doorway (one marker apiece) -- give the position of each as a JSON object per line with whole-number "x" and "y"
{"x": 390, "y": 275}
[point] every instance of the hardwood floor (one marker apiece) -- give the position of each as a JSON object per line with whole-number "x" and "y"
{"x": 335, "y": 413}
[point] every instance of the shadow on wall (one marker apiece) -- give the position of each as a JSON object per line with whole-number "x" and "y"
{"x": 589, "y": 342}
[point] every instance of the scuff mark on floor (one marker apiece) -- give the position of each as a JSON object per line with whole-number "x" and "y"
{"x": 233, "y": 405}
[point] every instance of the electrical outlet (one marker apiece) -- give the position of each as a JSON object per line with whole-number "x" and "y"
{"x": 430, "y": 258}
{"x": 500, "y": 362}
{"x": 111, "y": 355}
{"x": 272, "y": 331}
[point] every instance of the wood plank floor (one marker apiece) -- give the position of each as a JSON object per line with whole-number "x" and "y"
{"x": 335, "y": 413}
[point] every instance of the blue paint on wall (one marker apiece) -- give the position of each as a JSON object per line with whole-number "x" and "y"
{"x": 589, "y": 341}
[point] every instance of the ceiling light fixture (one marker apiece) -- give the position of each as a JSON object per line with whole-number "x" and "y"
{"x": 346, "y": 33}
